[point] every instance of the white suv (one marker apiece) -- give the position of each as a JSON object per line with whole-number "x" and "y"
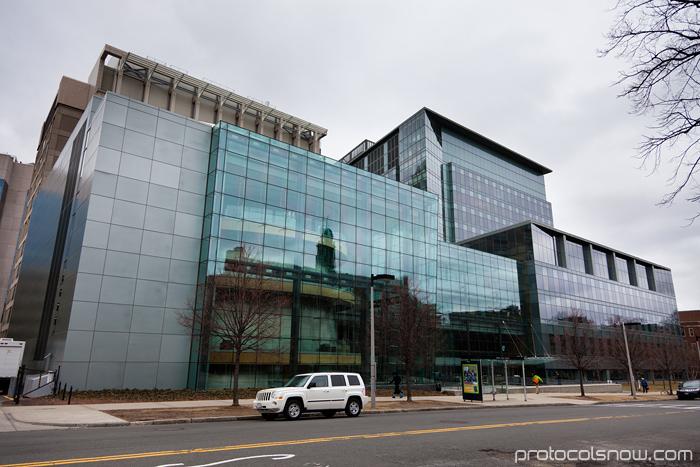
{"x": 314, "y": 392}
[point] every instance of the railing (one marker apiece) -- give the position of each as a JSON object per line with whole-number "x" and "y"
{"x": 23, "y": 372}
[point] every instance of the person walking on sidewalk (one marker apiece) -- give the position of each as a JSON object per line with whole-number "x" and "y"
{"x": 537, "y": 380}
{"x": 397, "y": 386}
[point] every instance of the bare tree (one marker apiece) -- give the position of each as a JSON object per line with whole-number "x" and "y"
{"x": 239, "y": 309}
{"x": 577, "y": 342}
{"x": 408, "y": 327}
{"x": 667, "y": 356}
{"x": 661, "y": 41}
{"x": 691, "y": 362}
{"x": 638, "y": 349}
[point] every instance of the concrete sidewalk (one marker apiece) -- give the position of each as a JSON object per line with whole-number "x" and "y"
{"x": 51, "y": 417}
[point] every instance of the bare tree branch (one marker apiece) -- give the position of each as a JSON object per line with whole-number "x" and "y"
{"x": 660, "y": 39}
{"x": 577, "y": 342}
{"x": 238, "y": 310}
{"x": 640, "y": 352}
{"x": 408, "y": 327}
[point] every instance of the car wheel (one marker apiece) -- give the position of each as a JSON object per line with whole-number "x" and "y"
{"x": 269, "y": 416}
{"x": 353, "y": 408}
{"x": 328, "y": 413}
{"x": 292, "y": 411}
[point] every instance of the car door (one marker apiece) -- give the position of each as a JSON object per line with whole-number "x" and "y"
{"x": 337, "y": 392}
{"x": 317, "y": 393}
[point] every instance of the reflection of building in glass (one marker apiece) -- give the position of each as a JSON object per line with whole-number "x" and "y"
{"x": 325, "y": 252}
{"x": 143, "y": 203}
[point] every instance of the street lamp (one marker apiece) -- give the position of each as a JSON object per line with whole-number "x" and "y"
{"x": 373, "y": 364}
{"x": 629, "y": 361}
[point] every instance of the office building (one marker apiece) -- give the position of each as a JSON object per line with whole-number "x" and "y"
{"x": 68, "y": 106}
{"x": 145, "y": 203}
{"x": 15, "y": 178}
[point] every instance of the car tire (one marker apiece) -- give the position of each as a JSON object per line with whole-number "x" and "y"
{"x": 328, "y": 413}
{"x": 269, "y": 416}
{"x": 353, "y": 408}
{"x": 293, "y": 409}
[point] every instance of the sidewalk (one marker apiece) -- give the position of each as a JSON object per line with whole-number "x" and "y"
{"x": 51, "y": 417}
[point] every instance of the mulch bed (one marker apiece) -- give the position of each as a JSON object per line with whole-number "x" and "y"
{"x": 139, "y": 415}
{"x": 111, "y": 396}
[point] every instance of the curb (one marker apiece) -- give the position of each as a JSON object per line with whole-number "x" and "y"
{"x": 629, "y": 401}
{"x": 69, "y": 425}
{"x": 174, "y": 421}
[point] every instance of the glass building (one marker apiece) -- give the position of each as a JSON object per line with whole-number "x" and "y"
{"x": 481, "y": 185}
{"x": 144, "y": 204}
{"x": 561, "y": 272}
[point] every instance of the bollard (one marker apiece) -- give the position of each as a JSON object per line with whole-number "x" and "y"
{"x": 64, "y": 392}
{"x": 20, "y": 384}
{"x": 70, "y": 394}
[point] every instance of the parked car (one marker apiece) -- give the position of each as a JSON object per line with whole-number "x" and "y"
{"x": 689, "y": 389}
{"x": 327, "y": 393}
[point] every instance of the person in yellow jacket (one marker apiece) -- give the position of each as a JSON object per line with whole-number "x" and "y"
{"x": 537, "y": 380}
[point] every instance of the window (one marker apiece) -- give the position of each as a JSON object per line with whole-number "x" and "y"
{"x": 319, "y": 381}
{"x": 353, "y": 380}
{"x": 690, "y": 332}
{"x": 337, "y": 380}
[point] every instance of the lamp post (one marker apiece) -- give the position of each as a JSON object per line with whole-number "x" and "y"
{"x": 373, "y": 364}
{"x": 629, "y": 361}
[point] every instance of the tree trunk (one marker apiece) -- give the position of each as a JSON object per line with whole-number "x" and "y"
{"x": 670, "y": 386}
{"x": 580, "y": 382}
{"x": 236, "y": 370}
{"x": 408, "y": 384}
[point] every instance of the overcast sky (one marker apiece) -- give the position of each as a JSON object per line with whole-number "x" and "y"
{"x": 525, "y": 74}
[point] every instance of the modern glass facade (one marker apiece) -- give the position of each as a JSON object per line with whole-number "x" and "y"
{"x": 144, "y": 204}
{"x": 556, "y": 286}
{"x": 481, "y": 186}
{"x": 113, "y": 249}
{"x": 328, "y": 227}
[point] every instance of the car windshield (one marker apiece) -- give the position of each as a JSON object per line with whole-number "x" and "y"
{"x": 297, "y": 382}
{"x": 691, "y": 384}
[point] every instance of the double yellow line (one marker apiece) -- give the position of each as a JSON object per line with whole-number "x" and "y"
{"x": 319, "y": 440}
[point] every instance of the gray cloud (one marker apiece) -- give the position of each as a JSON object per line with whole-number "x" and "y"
{"x": 525, "y": 74}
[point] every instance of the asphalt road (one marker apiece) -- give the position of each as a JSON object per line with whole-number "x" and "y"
{"x": 492, "y": 437}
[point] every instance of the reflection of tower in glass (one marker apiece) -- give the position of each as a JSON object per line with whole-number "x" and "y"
{"x": 325, "y": 252}
{"x": 233, "y": 255}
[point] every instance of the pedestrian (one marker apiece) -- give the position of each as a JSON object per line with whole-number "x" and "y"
{"x": 537, "y": 380}
{"x": 558, "y": 378}
{"x": 397, "y": 386}
{"x": 645, "y": 386}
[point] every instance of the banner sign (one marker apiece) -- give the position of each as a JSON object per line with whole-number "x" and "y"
{"x": 471, "y": 380}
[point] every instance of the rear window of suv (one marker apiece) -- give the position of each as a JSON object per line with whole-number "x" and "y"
{"x": 353, "y": 380}
{"x": 337, "y": 380}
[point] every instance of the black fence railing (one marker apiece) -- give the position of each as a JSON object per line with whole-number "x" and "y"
{"x": 23, "y": 372}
